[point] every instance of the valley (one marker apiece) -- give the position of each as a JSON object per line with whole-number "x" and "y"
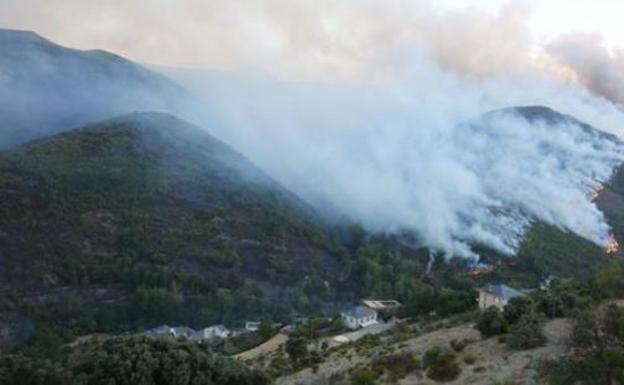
{"x": 129, "y": 227}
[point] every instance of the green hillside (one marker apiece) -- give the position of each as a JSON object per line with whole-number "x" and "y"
{"x": 145, "y": 219}
{"x": 158, "y": 221}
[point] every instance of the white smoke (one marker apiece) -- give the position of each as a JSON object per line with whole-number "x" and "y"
{"x": 380, "y": 132}
{"x": 405, "y": 157}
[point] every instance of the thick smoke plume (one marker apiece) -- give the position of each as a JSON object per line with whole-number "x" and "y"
{"x": 372, "y": 111}
{"x": 424, "y": 161}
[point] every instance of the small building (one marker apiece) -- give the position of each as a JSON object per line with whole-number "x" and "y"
{"x": 211, "y": 333}
{"x": 182, "y": 331}
{"x": 252, "y": 326}
{"x": 381, "y": 304}
{"x": 359, "y": 317}
{"x": 162, "y": 330}
{"x": 497, "y": 295}
{"x": 165, "y": 330}
{"x": 547, "y": 282}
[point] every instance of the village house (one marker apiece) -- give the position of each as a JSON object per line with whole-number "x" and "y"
{"x": 211, "y": 332}
{"x": 359, "y": 317}
{"x": 252, "y": 326}
{"x": 178, "y": 331}
{"x": 381, "y": 304}
{"x": 162, "y": 330}
{"x": 497, "y": 295}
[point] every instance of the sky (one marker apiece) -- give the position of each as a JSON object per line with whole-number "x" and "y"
{"x": 551, "y": 18}
{"x": 322, "y": 40}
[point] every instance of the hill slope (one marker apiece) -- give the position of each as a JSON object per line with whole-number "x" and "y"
{"x": 152, "y": 214}
{"x": 46, "y": 88}
{"x": 550, "y": 250}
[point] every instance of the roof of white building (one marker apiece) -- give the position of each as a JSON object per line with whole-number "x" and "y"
{"x": 503, "y": 292}
{"x": 360, "y": 312}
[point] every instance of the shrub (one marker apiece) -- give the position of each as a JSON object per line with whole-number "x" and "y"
{"x": 469, "y": 358}
{"x": 516, "y": 307}
{"x": 441, "y": 364}
{"x": 526, "y": 333}
{"x": 397, "y": 366}
{"x": 364, "y": 377}
{"x": 566, "y": 370}
{"x": 296, "y": 347}
{"x": 491, "y": 322}
{"x": 458, "y": 345}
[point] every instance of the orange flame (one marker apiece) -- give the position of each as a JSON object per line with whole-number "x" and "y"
{"x": 613, "y": 246}
{"x": 595, "y": 194}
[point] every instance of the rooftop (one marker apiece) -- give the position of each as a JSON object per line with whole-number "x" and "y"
{"x": 359, "y": 312}
{"x": 503, "y": 292}
{"x": 380, "y": 304}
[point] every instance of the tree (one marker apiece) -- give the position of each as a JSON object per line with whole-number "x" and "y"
{"x": 491, "y": 322}
{"x": 610, "y": 280}
{"x": 130, "y": 361}
{"x": 516, "y": 308}
{"x": 20, "y": 370}
{"x": 599, "y": 337}
{"x": 296, "y": 347}
{"x": 265, "y": 331}
{"x": 526, "y": 333}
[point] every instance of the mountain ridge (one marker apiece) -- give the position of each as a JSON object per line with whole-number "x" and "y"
{"x": 46, "y": 88}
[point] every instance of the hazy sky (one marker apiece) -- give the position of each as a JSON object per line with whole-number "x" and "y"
{"x": 320, "y": 40}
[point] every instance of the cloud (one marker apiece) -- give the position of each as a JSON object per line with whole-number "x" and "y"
{"x": 307, "y": 40}
{"x": 595, "y": 66}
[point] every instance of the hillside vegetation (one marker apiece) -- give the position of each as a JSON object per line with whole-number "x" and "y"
{"x": 144, "y": 220}
{"x": 159, "y": 221}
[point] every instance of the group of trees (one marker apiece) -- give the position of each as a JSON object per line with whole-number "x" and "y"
{"x": 129, "y": 361}
{"x": 597, "y": 337}
{"x": 598, "y": 343}
{"x": 520, "y": 319}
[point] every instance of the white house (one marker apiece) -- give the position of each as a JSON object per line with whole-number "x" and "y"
{"x": 359, "y": 317}
{"x": 497, "y": 295}
{"x": 252, "y": 326}
{"x": 163, "y": 330}
{"x": 178, "y": 331}
{"x": 212, "y": 332}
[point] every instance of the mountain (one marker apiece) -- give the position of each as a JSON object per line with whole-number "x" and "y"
{"x": 46, "y": 88}
{"x": 148, "y": 219}
{"x": 546, "y": 249}
{"x": 610, "y": 200}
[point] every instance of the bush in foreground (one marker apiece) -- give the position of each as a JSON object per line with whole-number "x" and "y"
{"x": 526, "y": 333}
{"x": 491, "y": 322}
{"x": 441, "y": 364}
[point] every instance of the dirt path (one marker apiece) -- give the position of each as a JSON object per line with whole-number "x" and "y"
{"x": 267, "y": 347}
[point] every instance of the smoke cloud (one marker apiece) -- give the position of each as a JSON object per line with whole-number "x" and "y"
{"x": 374, "y": 113}
{"x": 599, "y": 69}
{"x": 404, "y": 158}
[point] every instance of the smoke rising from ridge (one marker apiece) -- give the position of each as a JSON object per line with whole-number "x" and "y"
{"x": 401, "y": 159}
{"x": 373, "y": 112}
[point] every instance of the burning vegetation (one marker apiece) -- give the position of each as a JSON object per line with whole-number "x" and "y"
{"x": 613, "y": 246}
